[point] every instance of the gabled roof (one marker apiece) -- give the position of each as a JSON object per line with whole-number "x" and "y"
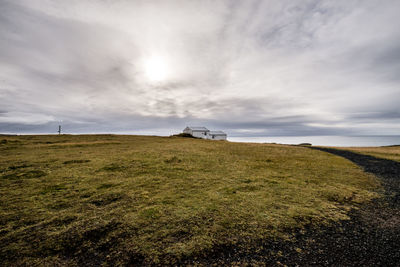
{"x": 198, "y": 128}
{"x": 216, "y": 133}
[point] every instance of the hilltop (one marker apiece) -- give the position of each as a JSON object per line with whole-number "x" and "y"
{"x": 92, "y": 199}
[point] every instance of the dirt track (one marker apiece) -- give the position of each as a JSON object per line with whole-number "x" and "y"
{"x": 370, "y": 238}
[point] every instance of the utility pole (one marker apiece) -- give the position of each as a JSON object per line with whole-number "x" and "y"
{"x": 59, "y": 129}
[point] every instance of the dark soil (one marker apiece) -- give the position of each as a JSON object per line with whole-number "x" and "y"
{"x": 370, "y": 238}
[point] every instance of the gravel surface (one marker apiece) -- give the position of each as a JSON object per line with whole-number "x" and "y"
{"x": 370, "y": 238}
{"x": 387, "y": 170}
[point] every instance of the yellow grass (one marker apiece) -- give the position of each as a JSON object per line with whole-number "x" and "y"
{"x": 64, "y": 198}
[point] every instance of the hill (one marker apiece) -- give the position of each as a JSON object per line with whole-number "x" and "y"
{"x": 92, "y": 199}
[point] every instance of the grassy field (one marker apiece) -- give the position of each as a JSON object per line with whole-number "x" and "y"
{"x": 118, "y": 199}
{"x": 385, "y": 152}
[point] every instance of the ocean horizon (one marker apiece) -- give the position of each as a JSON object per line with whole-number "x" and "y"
{"x": 332, "y": 140}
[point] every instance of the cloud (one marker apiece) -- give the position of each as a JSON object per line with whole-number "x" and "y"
{"x": 247, "y": 67}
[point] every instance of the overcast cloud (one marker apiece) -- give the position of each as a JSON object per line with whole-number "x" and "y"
{"x": 247, "y": 67}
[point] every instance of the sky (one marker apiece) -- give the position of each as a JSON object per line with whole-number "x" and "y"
{"x": 249, "y": 68}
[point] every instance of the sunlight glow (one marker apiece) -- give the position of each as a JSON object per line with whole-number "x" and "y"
{"x": 156, "y": 69}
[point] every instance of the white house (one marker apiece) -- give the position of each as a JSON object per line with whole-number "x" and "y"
{"x": 200, "y": 132}
{"x": 216, "y": 135}
{"x": 203, "y": 132}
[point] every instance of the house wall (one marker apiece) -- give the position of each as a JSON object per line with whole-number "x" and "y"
{"x": 199, "y": 134}
{"x": 187, "y": 130}
{"x": 217, "y": 137}
{"x": 204, "y": 134}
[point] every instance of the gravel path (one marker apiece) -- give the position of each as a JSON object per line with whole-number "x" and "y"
{"x": 370, "y": 238}
{"x": 387, "y": 170}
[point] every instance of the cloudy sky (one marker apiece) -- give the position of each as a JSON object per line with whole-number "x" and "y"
{"x": 251, "y": 68}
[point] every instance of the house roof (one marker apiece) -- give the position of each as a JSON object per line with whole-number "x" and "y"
{"x": 216, "y": 133}
{"x": 198, "y": 128}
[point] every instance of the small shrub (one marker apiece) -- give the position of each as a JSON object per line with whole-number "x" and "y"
{"x": 106, "y": 199}
{"x": 113, "y": 167}
{"x": 76, "y": 161}
{"x": 150, "y": 213}
{"x": 186, "y": 135}
{"x": 24, "y": 175}
{"x": 53, "y": 189}
{"x": 62, "y": 205}
{"x": 174, "y": 159}
{"x": 248, "y": 188}
{"x": 105, "y": 186}
{"x": 19, "y": 167}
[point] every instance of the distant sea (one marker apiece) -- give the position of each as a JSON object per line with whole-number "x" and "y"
{"x": 365, "y": 140}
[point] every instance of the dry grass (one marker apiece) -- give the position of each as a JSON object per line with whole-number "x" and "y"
{"x": 117, "y": 199}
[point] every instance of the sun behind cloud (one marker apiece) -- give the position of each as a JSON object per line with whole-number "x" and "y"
{"x": 156, "y": 69}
